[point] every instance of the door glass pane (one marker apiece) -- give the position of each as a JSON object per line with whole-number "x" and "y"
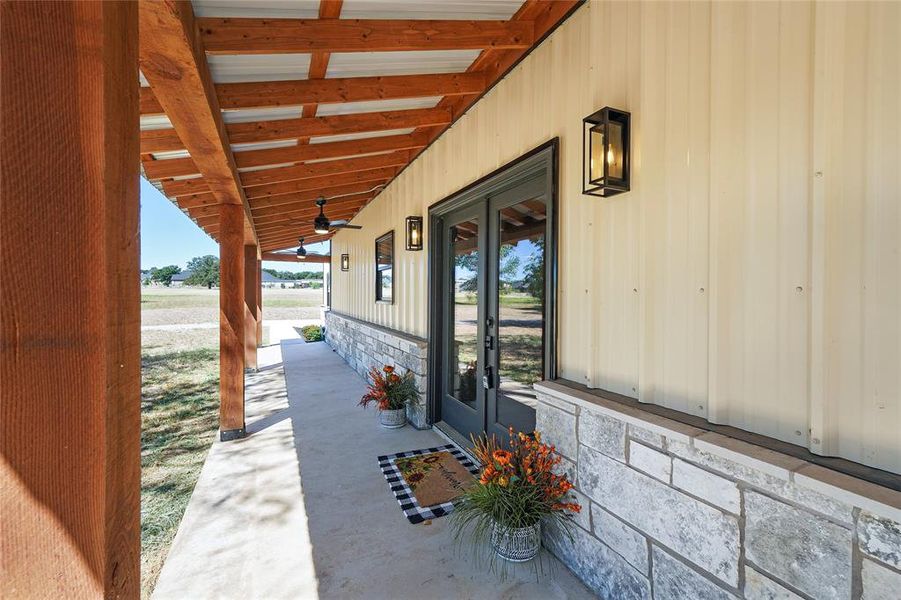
{"x": 464, "y": 326}
{"x": 520, "y": 327}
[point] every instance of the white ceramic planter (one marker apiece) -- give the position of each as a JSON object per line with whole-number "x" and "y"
{"x": 393, "y": 419}
{"x": 519, "y": 544}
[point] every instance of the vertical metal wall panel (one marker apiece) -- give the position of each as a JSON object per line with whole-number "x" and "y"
{"x": 732, "y": 282}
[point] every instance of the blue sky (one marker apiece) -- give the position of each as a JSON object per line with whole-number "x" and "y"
{"x": 169, "y": 237}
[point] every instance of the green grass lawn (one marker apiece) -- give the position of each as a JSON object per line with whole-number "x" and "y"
{"x": 179, "y": 407}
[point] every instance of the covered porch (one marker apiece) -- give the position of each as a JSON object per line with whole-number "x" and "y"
{"x": 300, "y": 509}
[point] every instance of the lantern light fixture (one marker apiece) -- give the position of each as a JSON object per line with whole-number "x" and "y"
{"x": 345, "y": 262}
{"x": 414, "y": 233}
{"x": 606, "y": 152}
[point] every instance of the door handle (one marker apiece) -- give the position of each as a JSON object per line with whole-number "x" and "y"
{"x": 489, "y": 342}
{"x": 488, "y": 378}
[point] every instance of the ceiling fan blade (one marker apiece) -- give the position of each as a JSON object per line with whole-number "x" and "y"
{"x": 345, "y": 226}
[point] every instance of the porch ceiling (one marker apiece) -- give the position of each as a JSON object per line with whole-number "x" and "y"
{"x": 274, "y": 103}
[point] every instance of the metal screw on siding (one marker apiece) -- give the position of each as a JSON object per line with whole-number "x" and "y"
{"x": 818, "y": 174}
{"x": 815, "y": 440}
{"x": 635, "y": 290}
{"x": 797, "y": 432}
{"x": 799, "y": 289}
{"x": 700, "y": 407}
{"x": 701, "y": 290}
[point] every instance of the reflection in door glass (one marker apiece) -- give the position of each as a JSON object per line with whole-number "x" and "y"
{"x": 520, "y": 327}
{"x": 464, "y": 287}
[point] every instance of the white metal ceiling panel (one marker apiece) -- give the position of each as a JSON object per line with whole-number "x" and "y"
{"x": 360, "y": 136}
{"x": 262, "y": 9}
{"x": 239, "y": 68}
{"x": 249, "y": 115}
{"x": 367, "y": 64}
{"x": 369, "y": 106}
{"x": 263, "y": 145}
{"x": 264, "y": 167}
{"x": 429, "y": 9}
{"x": 149, "y": 122}
{"x": 171, "y": 154}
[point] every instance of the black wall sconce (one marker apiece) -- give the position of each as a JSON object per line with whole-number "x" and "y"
{"x": 345, "y": 262}
{"x": 606, "y": 152}
{"x": 414, "y": 233}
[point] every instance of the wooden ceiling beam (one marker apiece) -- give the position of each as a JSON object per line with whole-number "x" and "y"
{"x": 318, "y": 183}
{"x": 311, "y": 257}
{"x": 330, "y": 167}
{"x": 155, "y": 170}
{"x": 272, "y": 246}
{"x": 167, "y": 140}
{"x": 196, "y": 201}
{"x": 341, "y": 193}
{"x": 299, "y": 154}
{"x": 262, "y": 94}
{"x": 173, "y": 60}
{"x": 303, "y": 216}
{"x": 185, "y": 187}
{"x": 291, "y": 36}
{"x": 328, "y": 9}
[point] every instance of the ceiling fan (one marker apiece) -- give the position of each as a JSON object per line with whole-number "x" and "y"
{"x": 301, "y": 251}
{"x": 321, "y": 224}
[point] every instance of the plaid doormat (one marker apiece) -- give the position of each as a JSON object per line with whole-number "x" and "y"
{"x": 405, "y": 497}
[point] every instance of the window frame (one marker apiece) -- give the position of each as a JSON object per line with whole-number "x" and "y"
{"x": 380, "y": 269}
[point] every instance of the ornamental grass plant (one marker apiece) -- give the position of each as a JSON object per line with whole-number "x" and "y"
{"x": 518, "y": 487}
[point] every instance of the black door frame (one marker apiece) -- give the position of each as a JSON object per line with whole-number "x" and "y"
{"x": 543, "y": 158}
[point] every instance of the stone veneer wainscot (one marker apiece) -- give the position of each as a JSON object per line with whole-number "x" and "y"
{"x": 364, "y": 345}
{"x": 675, "y": 512}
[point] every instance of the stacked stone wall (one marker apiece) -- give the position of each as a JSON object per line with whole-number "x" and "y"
{"x": 674, "y": 512}
{"x": 364, "y": 345}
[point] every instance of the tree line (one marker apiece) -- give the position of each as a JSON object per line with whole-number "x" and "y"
{"x": 205, "y": 271}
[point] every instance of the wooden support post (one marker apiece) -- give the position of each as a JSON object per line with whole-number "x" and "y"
{"x": 231, "y": 322}
{"x": 250, "y": 305}
{"x": 70, "y": 356}
{"x": 259, "y": 303}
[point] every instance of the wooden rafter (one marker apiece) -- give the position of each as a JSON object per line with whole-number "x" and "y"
{"x": 311, "y": 258}
{"x": 282, "y": 182}
{"x": 297, "y": 154}
{"x": 173, "y": 61}
{"x": 332, "y": 167}
{"x": 319, "y": 183}
{"x": 167, "y": 140}
{"x": 272, "y": 36}
{"x": 328, "y": 9}
{"x": 262, "y": 94}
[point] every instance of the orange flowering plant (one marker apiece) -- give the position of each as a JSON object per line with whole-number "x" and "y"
{"x": 519, "y": 486}
{"x": 388, "y": 390}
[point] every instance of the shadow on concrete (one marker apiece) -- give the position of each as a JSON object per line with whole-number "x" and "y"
{"x": 300, "y": 509}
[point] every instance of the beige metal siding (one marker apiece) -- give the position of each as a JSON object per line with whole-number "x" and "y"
{"x": 752, "y": 274}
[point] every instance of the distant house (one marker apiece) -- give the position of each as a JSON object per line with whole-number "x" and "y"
{"x": 179, "y": 279}
{"x": 271, "y": 281}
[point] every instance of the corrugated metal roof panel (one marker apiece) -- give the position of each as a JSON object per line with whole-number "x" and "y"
{"x": 262, "y": 114}
{"x": 171, "y": 154}
{"x": 149, "y": 122}
{"x": 273, "y": 9}
{"x": 359, "y": 136}
{"x": 368, "y": 106}
{"x": 237, "y": 68}
{"x": 264, "y": 167}
{"x": 365, "y": 64}
{"x": 263, "y": 145}
{"x": 429, "y": 9}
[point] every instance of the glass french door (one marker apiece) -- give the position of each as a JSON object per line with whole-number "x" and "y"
{"x": 494, "y": 310}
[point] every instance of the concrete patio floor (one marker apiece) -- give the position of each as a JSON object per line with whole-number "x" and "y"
{"x": 300, "y": 509}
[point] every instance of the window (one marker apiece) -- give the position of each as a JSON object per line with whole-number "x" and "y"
{"x": 384, "y": 268}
